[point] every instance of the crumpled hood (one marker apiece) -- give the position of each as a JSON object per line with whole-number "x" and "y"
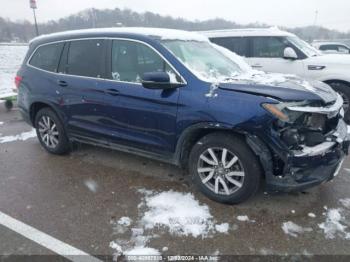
{"x": 280, "y": 86}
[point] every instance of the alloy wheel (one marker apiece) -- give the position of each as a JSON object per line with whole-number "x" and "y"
{"x": 221, "y": 171}
{"x": 48, "y": 132}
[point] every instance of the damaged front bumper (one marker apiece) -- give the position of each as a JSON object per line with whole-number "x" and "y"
{"x": 312, "y": 166}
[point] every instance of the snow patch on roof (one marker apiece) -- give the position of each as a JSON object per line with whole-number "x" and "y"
{"x": 20, "y": 137}
{"x": 293, "y": 229}
{"x": 272, "y": 31}
{"x": 162, "y": 33}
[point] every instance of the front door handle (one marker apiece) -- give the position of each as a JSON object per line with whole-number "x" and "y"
{"x": 62, "y": 83}
{"x": 112, "y": 92}
{"x": 257, "y": 66}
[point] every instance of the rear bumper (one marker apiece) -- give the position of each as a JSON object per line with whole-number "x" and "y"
{"x": 313, "y": 166}
{"x": 26, "y": 117}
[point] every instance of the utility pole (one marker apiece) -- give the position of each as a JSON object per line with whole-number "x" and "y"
{"x": 33, "y": 6}
{"x": 316, "y": 17}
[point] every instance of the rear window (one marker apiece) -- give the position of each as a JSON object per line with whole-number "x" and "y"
{"x": 85, "y": 58}
{"x": 47, "y": 57}
{"x": 239, "y": 45}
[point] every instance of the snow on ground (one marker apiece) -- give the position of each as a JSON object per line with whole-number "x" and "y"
{"x": 244, "y": 219}
{"x": 125, "y": 221}
{"x": 11, "y": 58}
{"x": 91, "y": 185}
{"x": 334, "y": 224}
{"x": 142, "y": 251}
{"x": 312, "y": 215}
{"x": 20, "y": 137}
{"x": 345, "y": 202}
{"x": 180, "y": 213}
{"x": 117, "y": 248}
{"x": 293, "y": 229}
{"x": 222, "y": 228}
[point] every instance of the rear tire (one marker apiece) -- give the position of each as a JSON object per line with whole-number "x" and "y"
{"x": 51, "y": 133}
{"x": 8, "y": 105}
{"x": 344, "y": 91}
{"x": 237, "y": 167}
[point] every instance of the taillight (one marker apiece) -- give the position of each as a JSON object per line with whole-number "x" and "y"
{"x": 18, "y": 80}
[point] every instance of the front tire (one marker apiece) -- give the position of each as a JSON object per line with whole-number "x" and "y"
{"x": 224, "y": 168}
{"x": 51, "y": 133}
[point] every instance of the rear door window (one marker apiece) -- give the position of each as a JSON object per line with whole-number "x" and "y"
{"x": 86, "y": 58}
{"x": 239, "y": 45}
{"x": 46, "y": 57}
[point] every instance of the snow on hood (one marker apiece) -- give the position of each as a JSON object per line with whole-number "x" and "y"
{"x": 283, "y": 81}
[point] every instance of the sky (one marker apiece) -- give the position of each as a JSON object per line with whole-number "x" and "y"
{"x": 332, "y": 14}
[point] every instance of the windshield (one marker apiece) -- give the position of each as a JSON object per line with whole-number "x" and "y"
{"x": 204, "y": 60}
{"x": 307, "y": 49}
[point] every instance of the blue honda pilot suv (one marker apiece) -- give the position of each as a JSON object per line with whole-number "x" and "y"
{"x": 175, "y": 97}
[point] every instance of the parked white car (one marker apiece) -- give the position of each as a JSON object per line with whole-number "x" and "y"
{"x": 331, "y": 47}
{"x": 273, "y": 50}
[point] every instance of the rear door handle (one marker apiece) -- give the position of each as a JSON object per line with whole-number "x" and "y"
{"x": 257, "y": 66}
{"x": 112, "y": 92}
{"x": 62, "y": 83}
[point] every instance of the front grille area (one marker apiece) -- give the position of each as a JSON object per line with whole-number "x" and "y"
{"x": 309, "y": 129}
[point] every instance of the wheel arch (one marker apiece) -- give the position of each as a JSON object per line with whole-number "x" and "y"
{"x": 194, "y": 133}
{"x": 330, "y": 81}
{"x": 36, "y": 106}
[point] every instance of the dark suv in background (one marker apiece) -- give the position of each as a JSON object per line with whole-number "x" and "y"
{"x": 173, "y": 96}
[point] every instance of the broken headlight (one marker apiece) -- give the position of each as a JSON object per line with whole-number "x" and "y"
{"x": 281, "y": 111}
{"x": 297, "y": 128}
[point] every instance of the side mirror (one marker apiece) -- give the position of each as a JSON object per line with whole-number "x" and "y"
{"x": 289, "y": 53}
{"x": 158, "y": 80}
